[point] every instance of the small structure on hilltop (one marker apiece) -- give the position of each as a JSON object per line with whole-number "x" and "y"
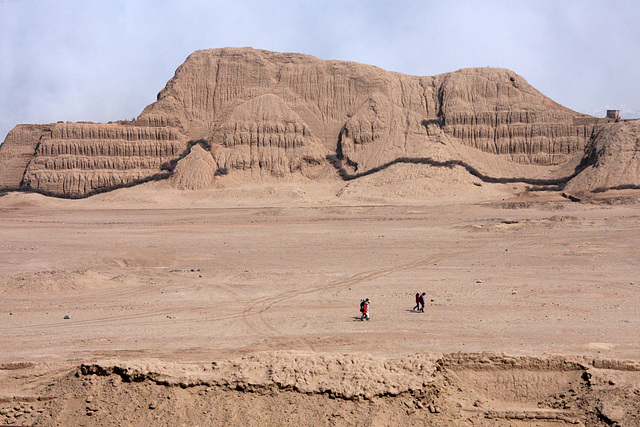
{"x": 613, "y": 114}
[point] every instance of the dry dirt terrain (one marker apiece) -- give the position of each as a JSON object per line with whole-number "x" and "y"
{"x": 185, "y": 309}
{"x": 204, "y": 262}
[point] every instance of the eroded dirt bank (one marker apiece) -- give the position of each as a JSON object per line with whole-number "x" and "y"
{"x": 289, "y": 388}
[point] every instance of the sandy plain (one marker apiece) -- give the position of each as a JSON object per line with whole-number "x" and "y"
{"x": 191, "y": 282}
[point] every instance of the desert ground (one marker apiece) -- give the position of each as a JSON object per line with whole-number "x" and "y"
{"x": 110, "y": 302}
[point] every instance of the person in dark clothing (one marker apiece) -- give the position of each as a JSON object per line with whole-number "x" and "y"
{"x": 364, "y": 308}
{"x": 417, "y": 307}
{"x": 421, "y": 302}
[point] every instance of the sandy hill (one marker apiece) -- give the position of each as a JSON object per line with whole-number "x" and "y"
{"x": 257, "y": 114}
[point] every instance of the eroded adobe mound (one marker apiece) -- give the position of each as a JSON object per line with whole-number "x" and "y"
{"x": 80, "y": 158}
{"x": 614, "y": 160}
{"x": 284, "y": 114}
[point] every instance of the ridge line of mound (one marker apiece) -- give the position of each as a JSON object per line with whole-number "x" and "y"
{"x": 555, "y": 182}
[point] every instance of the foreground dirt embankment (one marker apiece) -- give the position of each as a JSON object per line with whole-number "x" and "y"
{"x": 289, "y": 388}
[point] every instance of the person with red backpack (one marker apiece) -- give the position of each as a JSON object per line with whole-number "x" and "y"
{"x": 364, "y": 309}
{"x": 417, "y": 307}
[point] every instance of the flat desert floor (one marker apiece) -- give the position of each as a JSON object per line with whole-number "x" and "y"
{"x": 537, "y": 276}
{"x": 194, "y": 284}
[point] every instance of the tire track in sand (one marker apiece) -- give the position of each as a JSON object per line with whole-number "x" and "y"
{"x": 254, "y": 313}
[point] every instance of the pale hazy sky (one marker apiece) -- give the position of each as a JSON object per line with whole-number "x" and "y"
{"x": 106, "y": 60}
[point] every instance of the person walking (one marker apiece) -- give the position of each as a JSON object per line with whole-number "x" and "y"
{"x": 421, "y": 302}
{"x": 364, "y": 308}
{"x": 417, "y": 307}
